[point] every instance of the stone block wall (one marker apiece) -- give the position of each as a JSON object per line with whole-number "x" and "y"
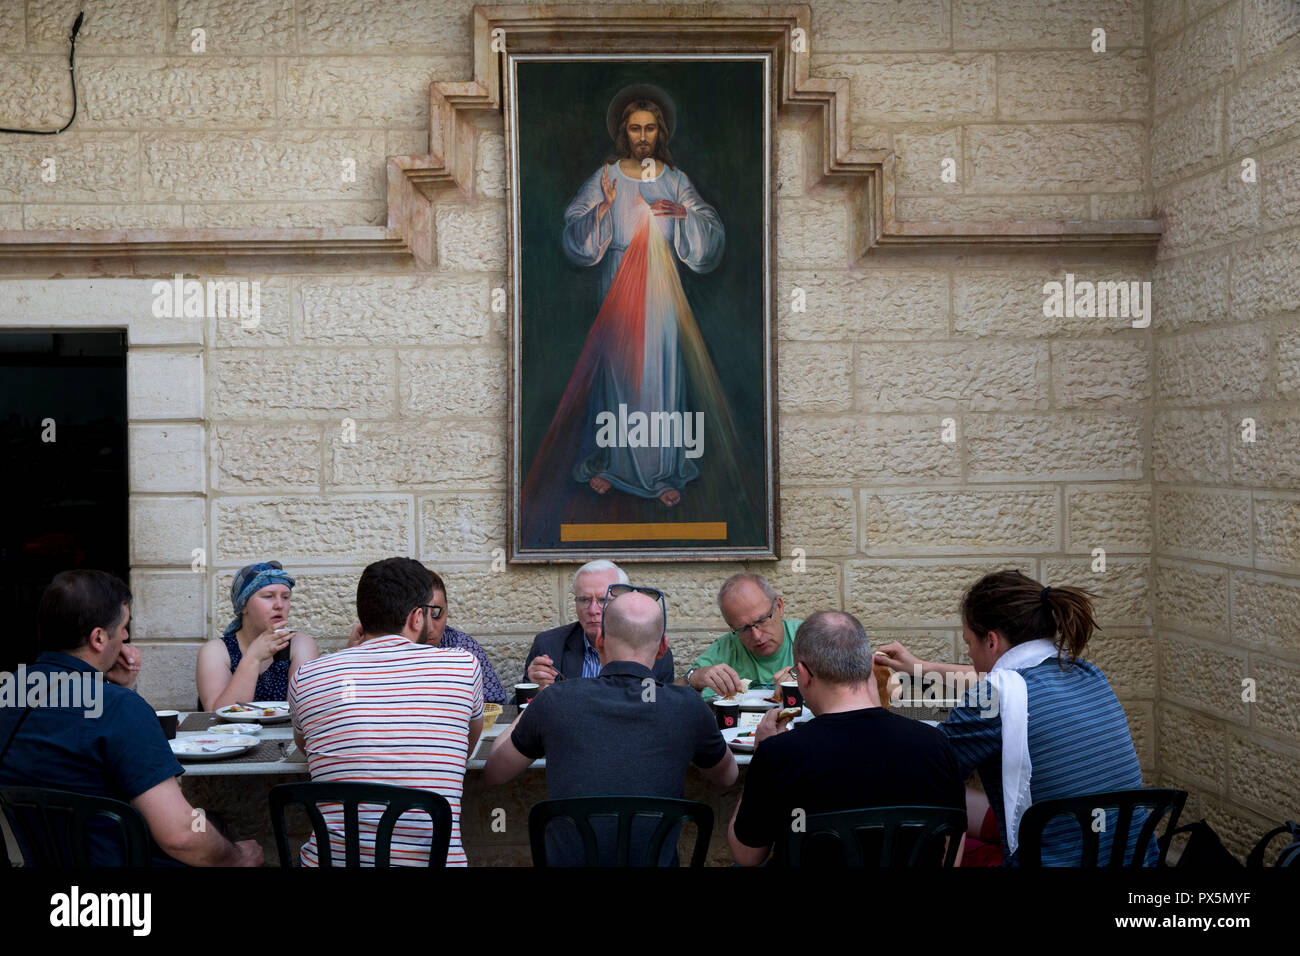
{"x": 1069, "y": 434}
{"x": 1225, "y": 135}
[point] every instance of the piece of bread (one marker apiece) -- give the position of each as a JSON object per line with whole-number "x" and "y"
{"x": 788, "y": 713}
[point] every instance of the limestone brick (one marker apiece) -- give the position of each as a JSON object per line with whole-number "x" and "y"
{"x": 1263, "y": 775}
{"x": 863, "y": 305}
{"x": 1273, "y": 458}
{"x": 1204, "y": 676}
{"x": 951, "y": 376}
{"x": 881, "y": 25}
{"x": 444, "y": 310}
{"x": 462, "y": 526}
{"x": 915, "y": 87}
{"x": 165, "y": 531}
{"x": 88, "y": 167}
{"x": 359, "y": 92}
{"x": 1263, "y": 611}
{"x": 1192, "y": 745}
{"x": 1210, "y": 210}
{"x": 160, "y": 386}
{"x": 83, "y": 216}
{"x": 1100, "y": 373}
{"x": 1212, "y": 366}
{"x": 471, "y": 238}
{"x": 812, "y": 234}
{"x": 278, "y": 457}
{"x": 1265, "y": 280}
{"x": 1097, "y": 157}
{"x": 283, "y": 164}
{"x": 167, "y": 605}
{"x": 1192, "y": 598}
{"x": 998, "y": 302}
{"x": 1190, "y": 446}
{"x": 1046, "y": 24}
{"x": 1017, "y": 520}
{"x": 466, "y": 456}
{"x": 1277, "y": 532}
{"x": 821, "y": 521}
{"x": 324, "y": 385}
{"x": 1104, "y": 516}
{"x": 919, "y": 155}
{"x": 816, "y": 377}
{"x": 1201, "y": 57}
{"x": 1078, "y": 446}
{"x": 235, "y": 26}
{"x": 351, "y": 529}
{"x": 1264, "y": 107}
{"x": 1207, "y": 525}
{"x": 1189, "y": 291}
{"x": 166, "y": 458}
{"x": 193, "y": 92}
{"x": 866, "y": 448}
{"x": 452, "y": 382}
{"x": 288, "y": 215}
{"x": 1277, "y": 696}
{"x": 1187, "y": 139}
{"x": 1073, "y": 85}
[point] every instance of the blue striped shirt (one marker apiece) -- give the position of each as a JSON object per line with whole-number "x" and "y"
{"x": 1079, "y": 743}
{"x": 590, "y": 659}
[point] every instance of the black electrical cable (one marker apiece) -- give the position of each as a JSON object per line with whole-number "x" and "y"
{"x": 72, "y": 53}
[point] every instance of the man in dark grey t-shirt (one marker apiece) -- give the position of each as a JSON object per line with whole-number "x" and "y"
{"x": 622, "y": 732}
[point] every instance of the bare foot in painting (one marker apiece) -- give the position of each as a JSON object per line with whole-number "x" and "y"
{"x": 670, "y": 497}
{"x": 599, "y": 485}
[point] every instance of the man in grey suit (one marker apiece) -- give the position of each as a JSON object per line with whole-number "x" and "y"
{"x": 569, "y": 650}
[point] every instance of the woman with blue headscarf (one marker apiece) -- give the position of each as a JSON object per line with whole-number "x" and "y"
{"x": 258, "y": 652}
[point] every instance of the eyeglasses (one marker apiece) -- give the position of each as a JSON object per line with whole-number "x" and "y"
{"x": 436, "y": 611}
{"x": 762, "y": 620}
{"x": 618, "y": 590}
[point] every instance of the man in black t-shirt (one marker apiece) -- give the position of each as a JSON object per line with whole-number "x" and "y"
{"x": 854, "y": 755}
{"x": 622, "y": 732}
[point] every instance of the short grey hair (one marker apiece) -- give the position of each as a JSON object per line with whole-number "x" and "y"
{"x": 834, "y": 646}
{"x": 744, "y": 577}
{"x": 599, "y": 564}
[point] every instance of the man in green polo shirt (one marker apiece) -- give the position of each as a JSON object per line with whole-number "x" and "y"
{"x": 759, "y": 645}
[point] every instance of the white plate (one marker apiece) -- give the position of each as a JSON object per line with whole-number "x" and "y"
{"x": 239, "y": 716}
{"x": 755, "y": 700}
{"x": 236, "y": 729}
{"x": 212, "y": 746}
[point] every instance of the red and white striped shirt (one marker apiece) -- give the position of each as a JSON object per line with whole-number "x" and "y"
{"x": 393, "y": 712}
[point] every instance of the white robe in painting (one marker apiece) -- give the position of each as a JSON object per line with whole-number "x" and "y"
{"x": 697, "y": 241}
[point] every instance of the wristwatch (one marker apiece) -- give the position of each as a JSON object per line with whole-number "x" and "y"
{"x": 693, "y": 669}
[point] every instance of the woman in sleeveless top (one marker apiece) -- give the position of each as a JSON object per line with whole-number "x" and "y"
{"x": 241, "y": 665}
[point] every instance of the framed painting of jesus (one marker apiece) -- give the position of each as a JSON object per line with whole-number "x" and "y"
{"x": 641, "y": 293}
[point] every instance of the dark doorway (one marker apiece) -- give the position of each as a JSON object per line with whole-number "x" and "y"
{"x": 64, "y": 482}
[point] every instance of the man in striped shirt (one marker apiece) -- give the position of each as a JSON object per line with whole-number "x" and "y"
{"x": 392, "y": 710}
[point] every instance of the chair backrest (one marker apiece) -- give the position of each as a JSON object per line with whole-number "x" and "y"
{"x": 877, "y": 836}
{"x": 394, "y": 800}
{"x": 1118, "y": 824}
{"x": 53, "y": 827}
{"x": 580, "y": 810}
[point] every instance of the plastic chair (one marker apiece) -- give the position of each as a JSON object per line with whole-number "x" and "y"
{"x": 580, "y": 810}
{"x": 1082, "y": 809}
{"x": 52, "y": 826}
{"x": 395, "y": 800}
{"x": 879, "y": 836}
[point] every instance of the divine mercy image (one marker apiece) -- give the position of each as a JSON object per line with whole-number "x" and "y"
{"x": 643, "y": 444}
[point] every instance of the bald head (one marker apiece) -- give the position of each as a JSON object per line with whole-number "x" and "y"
{"x": 634, "y": 622}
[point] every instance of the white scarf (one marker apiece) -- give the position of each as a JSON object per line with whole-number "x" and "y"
{"x": 1013, "y": 706}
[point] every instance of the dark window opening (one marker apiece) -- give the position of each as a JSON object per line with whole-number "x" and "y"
{"x": 64, "y": 481}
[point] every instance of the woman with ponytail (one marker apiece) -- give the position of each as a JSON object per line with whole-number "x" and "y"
{"x": 1041, "y": 723}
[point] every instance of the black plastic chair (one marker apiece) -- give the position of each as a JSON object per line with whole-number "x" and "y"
{"x": 580, "y": 810}
{"x": 52, "y": 826}
{"x": 1082, "y": 810}
{"x": 394, "y": 800}
{"x": 877, "y": 836}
